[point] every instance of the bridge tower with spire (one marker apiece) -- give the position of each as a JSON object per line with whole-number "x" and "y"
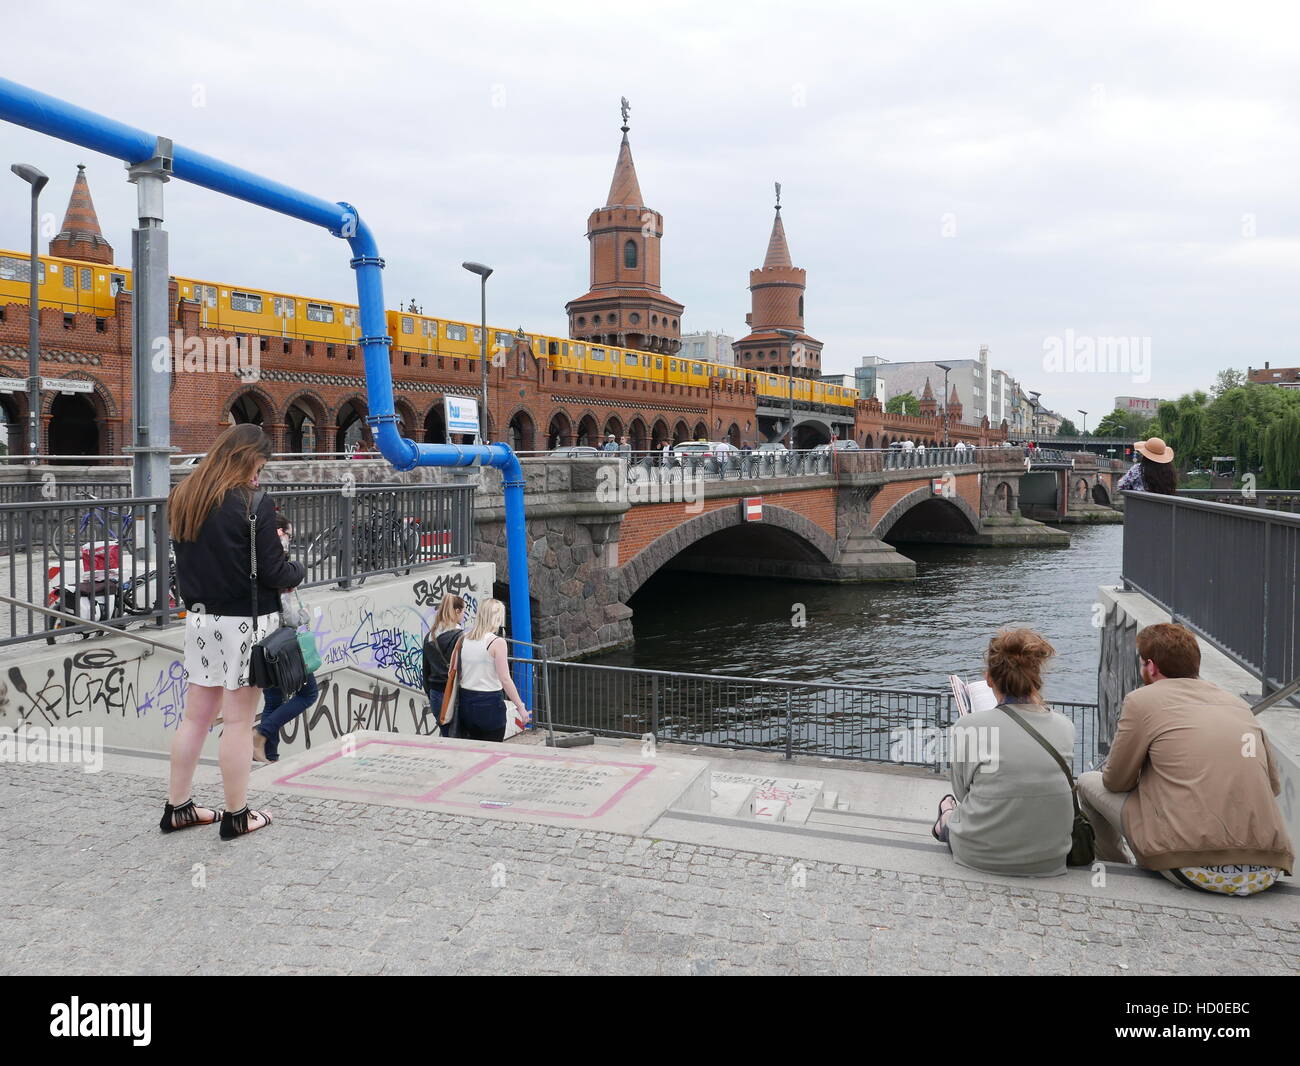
{"x": 625, "y": 305}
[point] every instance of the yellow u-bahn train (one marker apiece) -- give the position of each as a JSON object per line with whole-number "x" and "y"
{"x": 76, "y": 286}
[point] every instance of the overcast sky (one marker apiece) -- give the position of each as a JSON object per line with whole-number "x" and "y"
{"x": 953, "y": 174}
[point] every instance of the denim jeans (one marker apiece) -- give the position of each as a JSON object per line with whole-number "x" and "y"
{"x": 278, "y": 712}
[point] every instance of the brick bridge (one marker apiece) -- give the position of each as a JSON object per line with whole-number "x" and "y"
{"x": 596, "y": 537}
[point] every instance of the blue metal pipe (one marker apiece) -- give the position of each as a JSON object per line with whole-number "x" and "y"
{"x": 57, "y": 118}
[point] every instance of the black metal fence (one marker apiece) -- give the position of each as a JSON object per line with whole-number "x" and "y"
{"x": 903, "y": 726}
{"x": 109, "y": 561}
{"x": 1225, "y": 570}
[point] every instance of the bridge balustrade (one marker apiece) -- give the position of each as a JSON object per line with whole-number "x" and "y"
{"x": 1227, "y": 571}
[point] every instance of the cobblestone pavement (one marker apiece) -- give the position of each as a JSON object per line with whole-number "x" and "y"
{"x": 91, "y": 886}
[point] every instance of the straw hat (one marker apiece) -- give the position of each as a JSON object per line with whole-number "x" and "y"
{"x": 1156, "y": 450}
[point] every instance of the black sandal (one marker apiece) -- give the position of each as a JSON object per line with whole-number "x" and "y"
{"x": 186, "y": 817}
{"x": 934, "y": 830}
{"x": 235, "y": 823}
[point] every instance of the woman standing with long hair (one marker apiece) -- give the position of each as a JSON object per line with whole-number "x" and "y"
{"x": 437, "y": 652}
{"x": 485, "y": 678}
{"x": 210, "y": 523}
{"x": 1154, "y": 469}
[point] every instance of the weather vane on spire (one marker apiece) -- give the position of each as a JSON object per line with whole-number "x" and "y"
{"x": 625, "y": 107}
{"x": 778, "y": 196}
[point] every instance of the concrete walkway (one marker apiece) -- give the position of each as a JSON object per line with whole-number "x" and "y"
{"x": 92, "y": 887}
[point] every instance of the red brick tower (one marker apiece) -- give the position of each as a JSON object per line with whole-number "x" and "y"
{"x": 80, "y": 237}
{"x": 954, "y": 407}
{"x": 777, "y": 300}
{"x": 625, "y": 305}
{"x": 929, "y": 406}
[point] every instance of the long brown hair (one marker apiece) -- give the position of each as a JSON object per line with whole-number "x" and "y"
{"x": 229, "y": 465}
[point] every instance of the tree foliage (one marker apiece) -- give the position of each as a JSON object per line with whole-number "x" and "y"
{"x": 903, "y": 404}
{"x": 1068, "y": 429}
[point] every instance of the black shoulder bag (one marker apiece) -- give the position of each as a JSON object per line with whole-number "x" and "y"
{"x": 1083, "y": 846}
{"x": 277, "y": 661}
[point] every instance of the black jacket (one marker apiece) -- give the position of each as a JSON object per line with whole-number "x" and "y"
{"x": 437, "y": 666}
{"x": 215, "y": 569}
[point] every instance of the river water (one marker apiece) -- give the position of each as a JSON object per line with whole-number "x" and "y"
{"x": 897, "y": 635}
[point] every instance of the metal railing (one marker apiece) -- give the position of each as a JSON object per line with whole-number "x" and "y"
{"x": 1226, "y": 571}
{"x": 1270, "y": 499}
{"x": 901, "y": 726}
{"x": 101, "y": 559}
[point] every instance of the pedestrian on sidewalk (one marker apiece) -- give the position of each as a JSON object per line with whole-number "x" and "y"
{"x": 213, "y": 513}
{"x": 1153, "y": 471}
{"x": 1189, "y": 783}
{"x": 439, "y": 645}
{"x": 1012, "y": 810}
{"x": 277, "y": 711}
{"x": 485, "y": 681}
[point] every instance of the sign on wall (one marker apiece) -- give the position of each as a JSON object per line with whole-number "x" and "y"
{"x": 751, "y": 508}
{"x": 462, "y": 414}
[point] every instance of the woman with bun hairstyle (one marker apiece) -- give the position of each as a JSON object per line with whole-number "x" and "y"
{"x": 1012, "y": 811}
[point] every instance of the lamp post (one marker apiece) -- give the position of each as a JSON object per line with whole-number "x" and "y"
{"x": 945, "y": 370}
{"x": 37, "y": 181}
{"x": 1084, "y": 430}
{"x": 1034, "y": 404}
{"x": 484, "y": 272}
{"x": 792, "y": 336}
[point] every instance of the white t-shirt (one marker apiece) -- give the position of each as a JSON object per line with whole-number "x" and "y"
{"x": 478, "y": 670}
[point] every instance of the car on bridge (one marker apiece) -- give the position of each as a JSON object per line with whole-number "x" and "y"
{"x": 576, "y": 451}
{"x": 837, "y": 446}
{"x": 773, "y": 446}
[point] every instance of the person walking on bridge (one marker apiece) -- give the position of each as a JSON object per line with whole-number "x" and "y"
{"x": 213, "y": 515}
{"x": 485, "y": 678}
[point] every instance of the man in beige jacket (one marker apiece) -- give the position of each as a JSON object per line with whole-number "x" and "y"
{"x": 1190, "y": 780}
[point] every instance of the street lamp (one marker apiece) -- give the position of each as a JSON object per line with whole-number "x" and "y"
{"x": 792, "y": 336}
{"x": 1084, "y": 430}
{"x": 37, "y": 181}
{"x": 945, "y": 370}
{"x": 1034, "y": 404}
{"x": 484, "y": 272}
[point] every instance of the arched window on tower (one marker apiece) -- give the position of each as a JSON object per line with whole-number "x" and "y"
{"x": 629, "y": 255}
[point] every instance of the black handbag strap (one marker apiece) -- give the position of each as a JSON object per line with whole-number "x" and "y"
{"x": 1048, "y": 747}
{"x": 253, "y": 501}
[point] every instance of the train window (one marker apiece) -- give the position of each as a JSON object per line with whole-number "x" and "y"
{"x": 672, "y": 365}
{"x": 246, "y": 301}
{"x": 659, "y": 364}
{"x": 408, "y": 324}
{"x": 696, "y": 368}
{"x": 14, "y": 269}
{"x": 630, "y": 358}
{"x": 428, "y": 328}
{"x": 69, "y": 277}
{"x": 579, "y": 349}
{"x": 85, "y": 278}
{"x": 455, "y": 333}
{"x": 282, "y": 305}
{"x": 478, "y": 335}
{"x": 320, "y": 313}
{"x": 564, "y": 348}
{"x": 503, "y": 340}
{"x": 598, "y": 354}
{"x": 349, "y": 316}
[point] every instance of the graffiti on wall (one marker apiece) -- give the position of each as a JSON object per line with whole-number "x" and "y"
{"x": 383, "y": 633}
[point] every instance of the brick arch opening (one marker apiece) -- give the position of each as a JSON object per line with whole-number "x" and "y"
{"x": 783, "y": 535}
{"x": 350, "y": 425}
{"x": 435, "y": 424}
{"x": 921, "y": 514}
{"x": 407, "y": 419}
{"x": 659, "y": 434}
{"x": 559, "y": 431}
{"x": 701, "y": 431}
{"x": 250, "y": 406}
{"x": 304, "y": 421}
{"x": 1100, "y": 494}
{"x": 637, "y": 436}
{"x": 681, "y": 432}
{"x": 588, "y": 431}
{"x": 522, "y": 431}
{"x": 77, "y": 425}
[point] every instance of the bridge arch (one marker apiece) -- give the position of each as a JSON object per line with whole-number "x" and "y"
{"x": 921, "y": 511}
{"x": 1100, "y": 494}
{"x": 559, "y": 430}
{"x": 783, "y": 533}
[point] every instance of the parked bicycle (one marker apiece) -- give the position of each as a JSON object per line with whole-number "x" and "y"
{"x": 383, "y": 539}
{"x": 104, "y": 595}
{"x": 96, "y": 526}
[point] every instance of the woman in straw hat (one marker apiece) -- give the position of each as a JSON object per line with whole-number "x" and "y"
{"x": 1154, "y": 470}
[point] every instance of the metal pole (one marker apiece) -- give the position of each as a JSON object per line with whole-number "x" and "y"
{"x": 34, "y": 342}
{"x": 483, "y": 346}
{"x": 151, "y": 377}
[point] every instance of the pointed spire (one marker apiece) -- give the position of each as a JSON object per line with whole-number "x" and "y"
{"x": 624, "y": 190}
{"x": 80, "y": 219}
{"x": 81, "y": 237}
{"x": 778, "y": 252}
{"x": 953, "y": 399}
{"x": 928, "y": 394}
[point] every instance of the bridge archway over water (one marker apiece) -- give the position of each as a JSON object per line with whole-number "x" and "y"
{"x": 921, "y": 515}
{"x": 784, "y": 537}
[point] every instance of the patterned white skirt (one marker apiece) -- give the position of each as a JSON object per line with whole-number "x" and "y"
{"x": 217, "y": 647}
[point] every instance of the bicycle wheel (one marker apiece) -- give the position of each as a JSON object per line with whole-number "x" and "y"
{"x": 411, "y": 536}
{"x": 327, "y": 544}
{"x": 67, "y": 535}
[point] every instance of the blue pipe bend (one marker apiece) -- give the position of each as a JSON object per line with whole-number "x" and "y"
{"x": 58, "y": 118}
